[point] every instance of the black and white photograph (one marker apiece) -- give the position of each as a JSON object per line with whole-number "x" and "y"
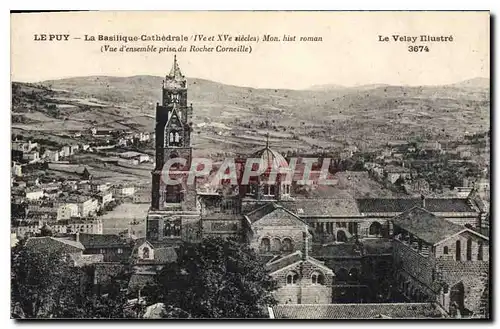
{"x": 250, "y": 165}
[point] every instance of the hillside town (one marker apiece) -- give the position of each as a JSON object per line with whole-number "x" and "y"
{"x": 422, "y": 251}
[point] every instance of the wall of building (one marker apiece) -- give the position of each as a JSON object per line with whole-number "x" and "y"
{"x": 275, "y": 233}
{"x": 304, "y": 291}
{"x": 451, "y": 244}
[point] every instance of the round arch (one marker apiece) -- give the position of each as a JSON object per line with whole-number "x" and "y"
{"x": 341, "y": 236}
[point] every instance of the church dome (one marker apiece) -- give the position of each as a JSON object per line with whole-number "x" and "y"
{"x": 272, "y": 159}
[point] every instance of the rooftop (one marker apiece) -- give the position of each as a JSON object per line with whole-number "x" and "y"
{"x": 404, "y": 204}
{"x": 426, "y": 226}
{"x": 51, "y": 244}
{"x": 357, "y": 311}
{"x": 101, "y": 240}
{"x": 326, "y": 207}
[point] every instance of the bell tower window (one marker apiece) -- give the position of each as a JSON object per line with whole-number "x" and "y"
{"x": 173, "y": 138}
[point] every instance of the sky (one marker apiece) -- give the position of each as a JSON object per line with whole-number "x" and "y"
{"x": 350, "y": 52}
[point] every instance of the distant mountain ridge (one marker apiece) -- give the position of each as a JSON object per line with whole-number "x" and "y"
{"x": 324, "y": 117}
{"x": 476, "y": 83}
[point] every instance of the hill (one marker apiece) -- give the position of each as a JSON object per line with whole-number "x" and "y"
{"x": 236, "y": 119}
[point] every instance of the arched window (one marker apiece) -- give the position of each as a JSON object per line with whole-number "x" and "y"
{"x": 445, "y": 250}
{"x": 354, "y": 274}
{"x": 292, "y": 278}
{"x": 469, "y": 249}
{"x": 480, "y": 250}
{"x": 265, "y": 245}
{"x": 172, "y": 228}
{"x": 317, "y": 278}
{"x": 376, "y": 229}
{"x": 276, "y": 244}
{"x": 171, "y": 137}
{"x": 287, "y": 244}
{"x": 458, "y": 251}
{"x": 177, "y": 137}
{"x": 341, "y": 236}
{"x": 145, "y": 253}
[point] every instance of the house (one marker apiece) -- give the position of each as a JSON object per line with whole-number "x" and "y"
{"x": 24, "y": 146}
{"x": 105, "y": 197}
{"x": 442, "y": 262}
{"x": 97, "y": 186}
{"x": 112, "y": 247}
{"x": 393, "y": 173}
{"x": 139, "y": 157}
{"x": 16, "y": 169}
{"x": 51, "y": 155}
{"x": 431, "y": 146}
{"x": 143, "y": 136}
{"x": 34, "y": 193}
{"x": 101, "y": 132}
{"x": 66, "y": 211}
{"x": 147, "y": 259}
{"x": 77, "y": 225}
{"x": 73, "y": 250}
{"x": 87, "y": 205}
{"x": 31, "y": 156}
{"x": 13, "y": 239}
{"x": 124, "y": 191}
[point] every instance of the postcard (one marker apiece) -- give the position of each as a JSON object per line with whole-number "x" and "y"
{"x": 250, "y": 164}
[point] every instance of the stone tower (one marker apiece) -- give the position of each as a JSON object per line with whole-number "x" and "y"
{"x": 173, "y": 214}
{"x": 173, "y": 141}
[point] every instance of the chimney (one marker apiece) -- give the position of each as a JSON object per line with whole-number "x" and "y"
{"x": 423, "y": 200}
{"x": 305, "y": 252}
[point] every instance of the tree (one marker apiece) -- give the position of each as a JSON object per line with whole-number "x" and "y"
{"x": 48, "y": 285}
{"x": 218, "y": 278}
{"x": 42, "y": 284}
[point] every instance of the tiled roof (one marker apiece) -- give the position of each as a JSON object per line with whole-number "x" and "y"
{"x": 326, "y": 207}
{"x": 356, "y": 311}
{"x": 448, "y": 205}
{"x": 426, "y": 225}
{"x": 387, "y": 205}
{"x": 401, "y": 205}
{"x": 101, "y": 240}
{"x": 278, "y": 264}
{"x": 258, "y": 213}
{"x": 269, "y": 208}
{"x": 165, "y": 255}
{"x": 51, "y": 244}
{"x": 284, "y": 261}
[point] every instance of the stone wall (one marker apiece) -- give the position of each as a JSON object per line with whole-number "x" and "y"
{"x": 303, "y": 291}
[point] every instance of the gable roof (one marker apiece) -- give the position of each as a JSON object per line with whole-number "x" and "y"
{"x": 357, "y": 311}
{"x": 276, "y": 265}
{"x": 426, "y": 226}
{"x": 51, "y": 244}
{"x": 268, "y": 209}
{"x": 164, "y": 252}
{"x": 403, "y": 204}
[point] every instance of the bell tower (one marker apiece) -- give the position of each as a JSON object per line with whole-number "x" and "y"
{"x": 173, "y": 141}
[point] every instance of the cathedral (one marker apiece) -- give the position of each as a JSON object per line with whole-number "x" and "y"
{"x": 319, "y": 250}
